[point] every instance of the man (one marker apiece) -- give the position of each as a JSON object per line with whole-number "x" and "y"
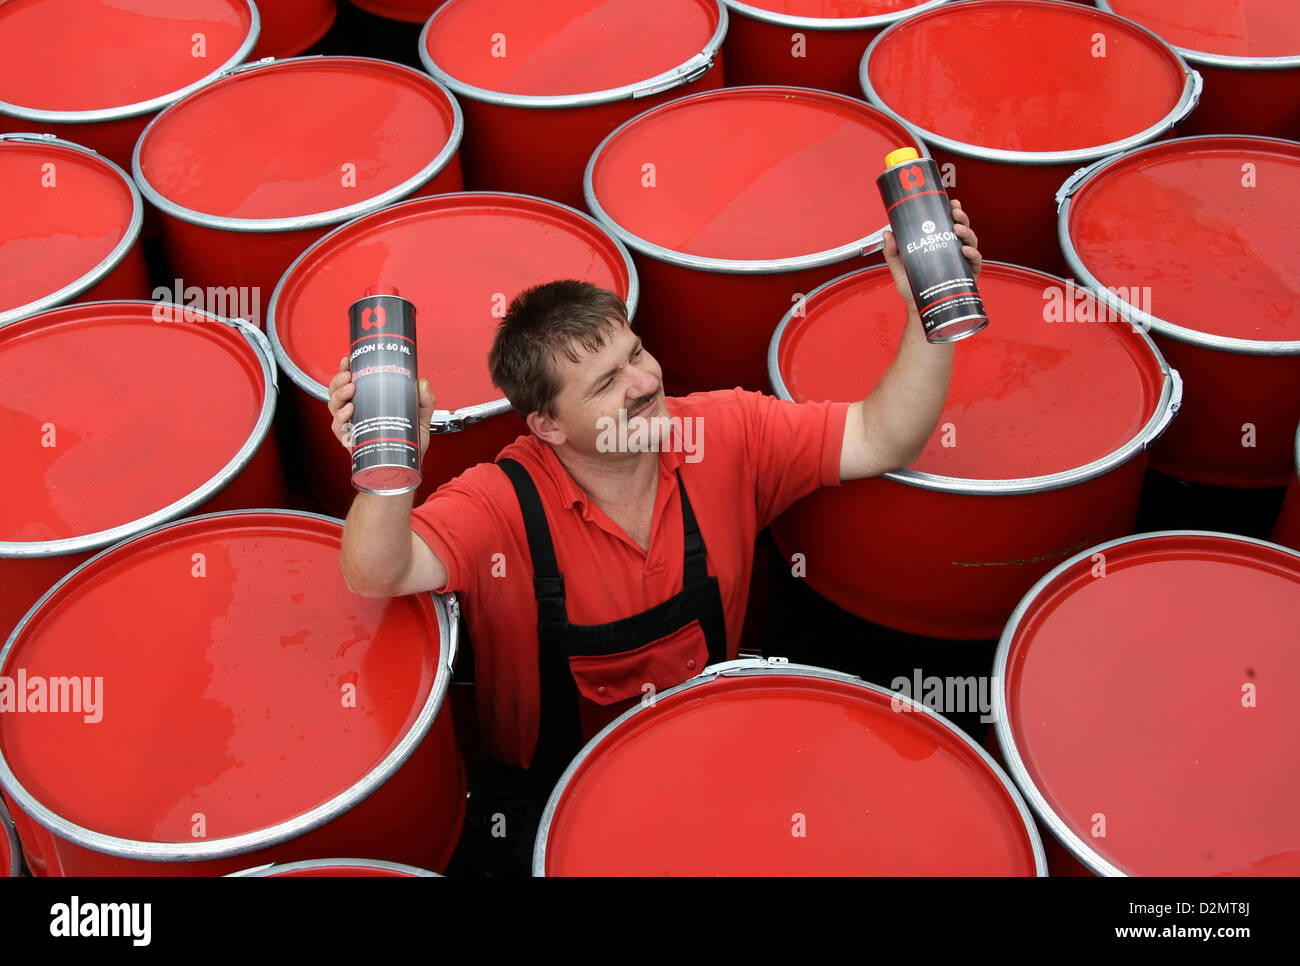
{"x": 594, "y": 571}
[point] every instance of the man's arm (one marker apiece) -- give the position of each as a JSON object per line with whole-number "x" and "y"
{"x": 381, "y": 556}
{"x": 888, "y": 430}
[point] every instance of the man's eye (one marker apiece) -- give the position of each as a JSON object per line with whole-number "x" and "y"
{"x": 606, "y": 385}
{"x": 639, "y": 350}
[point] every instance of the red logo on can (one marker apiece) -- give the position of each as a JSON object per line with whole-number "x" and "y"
{"x": 912, "y": 178}
{"x": 380, "y": 317}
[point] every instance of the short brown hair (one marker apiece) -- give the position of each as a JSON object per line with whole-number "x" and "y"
{"x": 542, "y": 322}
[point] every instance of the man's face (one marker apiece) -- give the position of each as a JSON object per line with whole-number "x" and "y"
{"x": 620, "y": 382}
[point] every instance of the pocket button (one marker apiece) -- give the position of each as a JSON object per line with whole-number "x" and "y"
{"x": 690, "y": 664}
{"x": 601, "y": 690}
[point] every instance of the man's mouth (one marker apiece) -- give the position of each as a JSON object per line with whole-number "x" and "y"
{"x": 645, "y": 408}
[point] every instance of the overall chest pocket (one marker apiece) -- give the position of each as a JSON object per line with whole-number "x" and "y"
{"x": 664, "y": 663}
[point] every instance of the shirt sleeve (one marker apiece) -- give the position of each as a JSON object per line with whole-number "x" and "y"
{"x": 794, "y": 449}
{"x": 461, "y": 522}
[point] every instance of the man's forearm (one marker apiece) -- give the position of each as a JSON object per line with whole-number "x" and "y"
{"x": 376, "y": 551}
{"x": 906, "y": 404}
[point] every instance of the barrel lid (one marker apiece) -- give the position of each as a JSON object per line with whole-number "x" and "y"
{"x": 90, "y": 60}
{"x": 881, "y": 785}
{"x": 1011, "y": 418}
{"x": 69, "y": 217}
{"x": 995, "y": 78}
{"x": 108, "y": 420}
{"x": 1142, "y": 691}
{"x": 578, "y": 52}
{"x": 843, "y": 15}
{"x": 365, "y": 133}
{"x": 1209, "y": 228}
{"x": 459, "y": 259}
{"x": 747, "y": 179}
{"x": 1212, "y": 31}
{"x": 238, "y": 680}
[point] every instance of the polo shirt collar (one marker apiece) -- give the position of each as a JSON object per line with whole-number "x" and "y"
{"x": 571, "y": 494}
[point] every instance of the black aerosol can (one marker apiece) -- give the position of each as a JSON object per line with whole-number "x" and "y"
{"x": 386, "y": 404}
{"x": 921, "y": 218}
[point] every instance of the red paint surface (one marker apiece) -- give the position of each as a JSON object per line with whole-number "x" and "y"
{"x": 1021, "y": 76}
{"x": 567, "y": 46}
{"x": 112, "y": 463}
{"x": 750, "y": 173}
{"x": 1238, "y": 28}
{"x": 712, "y": 781}
{"x": 228, "y": 151}
{"x": 84, "y": 55}
{"x": 57, "y": 223}
{"x": 1017, "y": 387}
{"x": 457, "y": 258}
{"x": 1125, "y": 698}
{"x": 1220, "y": 257}
{"x": 222, "y": 694}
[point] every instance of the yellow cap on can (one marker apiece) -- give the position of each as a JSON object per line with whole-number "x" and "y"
{"x": 899, "y": 156}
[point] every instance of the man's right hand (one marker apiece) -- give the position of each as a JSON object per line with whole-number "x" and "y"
{"x": 342, "y": 389}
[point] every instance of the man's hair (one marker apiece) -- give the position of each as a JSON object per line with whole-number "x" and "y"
{"x": 541, "y": 323}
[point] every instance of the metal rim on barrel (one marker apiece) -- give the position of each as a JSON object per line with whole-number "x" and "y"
{"x": 11, "y": 837}
{"x": 735, "y": 266}
{"x": 1171, "y": 395}
{"x": 161, "y": 517}
{"x": 1192, "y": 84}
{"x": 443, "y": 420}
{"x": 447, "y": 610}
{"x": 313, "y": 219}
{"x": 1217, "y": 60}
{"x": 748, "y": 667}
{"x": 1006, "y": 738}
{"x": 691, "y": 70}
{"x": 272, "y": 869}
{"x": 142, "y": 107}
{"x": 1169, "y": 330}
{"x": 830, "y": 23}
{"x": 111, "y": 260}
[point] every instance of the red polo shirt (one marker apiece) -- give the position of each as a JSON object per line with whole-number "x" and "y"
{"x": 753, "y": 456}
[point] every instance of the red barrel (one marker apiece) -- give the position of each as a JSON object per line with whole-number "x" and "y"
{"x": 539, "y": 92}
{"x": 249, "y": 708}
{"x": 1139, "y": 681}
{"x": 1039, "y": 451}
{"x": 69, "y": 227}
{"x": 337, "y": 868}
{"x": 1287, "y": 529}
{"x": 1015, "y": 95}
{"x": 243, "y": 193}
{"x": 410, "y": 11}
{"x": 807, "y": 43}
{"x": 735, "y": 204}
{"x": 460, "y": 259}
{"x": 768, "y": 768}
{"x": 11, "y": 855}
{"x": 1248, "y": 52}
{"x": 291, "y": 26}
{"x": 95, "y": 71}
{"x": 1199, "y": 236}
{"x": 119, "y": 416}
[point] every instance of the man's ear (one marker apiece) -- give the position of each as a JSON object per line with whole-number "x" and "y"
{"x": 545, "y": 428}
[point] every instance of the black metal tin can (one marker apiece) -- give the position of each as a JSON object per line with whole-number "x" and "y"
{"x": 943, "y": 285}
{"x": 385, "y": 427}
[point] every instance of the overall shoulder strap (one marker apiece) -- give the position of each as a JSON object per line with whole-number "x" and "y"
{"x": 548, "y": 582}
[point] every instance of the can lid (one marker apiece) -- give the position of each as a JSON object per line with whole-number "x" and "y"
{"x": 1269, "y": 28}
{"x": 899, "y": 156}
{"x": 381, "y": 290}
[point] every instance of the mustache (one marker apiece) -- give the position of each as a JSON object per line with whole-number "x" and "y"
{"x": 640, "y": 404}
